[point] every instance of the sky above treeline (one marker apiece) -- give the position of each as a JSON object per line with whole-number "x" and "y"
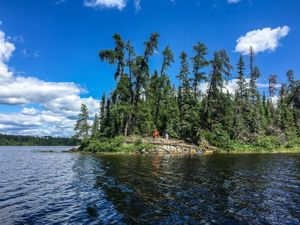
{"x": 49, "y": 61}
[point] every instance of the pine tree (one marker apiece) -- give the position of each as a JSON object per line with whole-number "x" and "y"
{"x": 291, "y": 79}
{"x": 186, "y": 97}
{"x": 155, "y": 97}
{"x": 271, "y": 129}
{"x": 122, "y": 106}
{"x": 272, "y": 86}
{"x": 254, "y": 75}
{"x": 254, "y": 116}
{"x": 95, "y": 127}
{"x": 141, "y": 74}
{"x": 102, "y": 114}
{"x": 142, "y": 65}
{"x": 115, "y": 56}
{"x": 131, "y": 65}
{"x": 220, "y": 70}
{"x": 293, "y": 98}
{"x": 285, "y": 120}
{"x": 241, "y": 82}
{"x": 168, "y": 59}
{"x": 158, "y": 86}
{"x": 82, "y": 126}
{"x": 108, "y": 125}
{"x": 240, "y": 127}
{"x": 199, "y": 62}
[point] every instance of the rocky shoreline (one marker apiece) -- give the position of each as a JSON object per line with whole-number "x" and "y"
{"x": 174, "y": 146}
{"x": 171, "y": 149}
{"x": 161, "y": 146}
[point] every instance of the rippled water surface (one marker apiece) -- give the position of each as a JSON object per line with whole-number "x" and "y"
{"x": 43, "y": 185}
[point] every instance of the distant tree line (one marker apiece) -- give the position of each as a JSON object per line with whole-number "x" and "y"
{"x": 21, "y": 140}
{"x": 144, "y": 101}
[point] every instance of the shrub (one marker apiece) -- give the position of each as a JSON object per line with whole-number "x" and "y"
{"x": 139, "y": 145}
{"x": 116, "y": 144}
{"x": 267, "y": 142}
{"x": 218, "y": 137}
{"x": 104, "y": 145}
{"x": 291, "y": 143}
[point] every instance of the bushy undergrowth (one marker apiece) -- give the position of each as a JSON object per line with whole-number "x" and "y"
{"x": 264, "y": 144}
{"x": 261, "y": 143}
{"x": 117, "y": 144}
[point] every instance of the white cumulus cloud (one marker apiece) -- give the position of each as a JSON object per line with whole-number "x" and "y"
{"x": 230, "y": 86}
{"x": 119, "y": 4}
{"x": 58, "y": 103}
{"x": 26, "y": 90}
{"x": 29, "y": 122}
{"x": 261, "y": 40}
{"x": 6, "y": 50}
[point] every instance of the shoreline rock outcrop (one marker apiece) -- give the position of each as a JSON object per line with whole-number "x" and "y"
{"x": 171, "y": 146}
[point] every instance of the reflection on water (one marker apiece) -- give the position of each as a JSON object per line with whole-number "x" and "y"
{"x": 39, "y": 187}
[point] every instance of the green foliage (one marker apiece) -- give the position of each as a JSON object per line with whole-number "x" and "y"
{"x": 106, "y": 145}
{"x": 267, "y": 142}
{"x": 117, "y": 144}
{"x": 217, "y": 137}
{"x": 292, "y": 143}
{"x": 140, "y": 145}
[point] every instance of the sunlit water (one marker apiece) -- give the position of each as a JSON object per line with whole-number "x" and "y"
{"x": 39, "y": 186}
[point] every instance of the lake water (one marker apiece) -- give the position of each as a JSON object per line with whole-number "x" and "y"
{"x": 41, "y": 186}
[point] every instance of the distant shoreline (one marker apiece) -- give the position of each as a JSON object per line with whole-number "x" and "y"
{"x": 23, "y": 140}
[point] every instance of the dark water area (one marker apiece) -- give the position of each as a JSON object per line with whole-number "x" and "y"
{"x": 44, "y": 185}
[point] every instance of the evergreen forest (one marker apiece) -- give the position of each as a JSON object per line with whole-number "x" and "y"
{"x": 144, "y": 99}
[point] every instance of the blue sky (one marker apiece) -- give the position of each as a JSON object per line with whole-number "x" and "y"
{"x": 56, "y": 44}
